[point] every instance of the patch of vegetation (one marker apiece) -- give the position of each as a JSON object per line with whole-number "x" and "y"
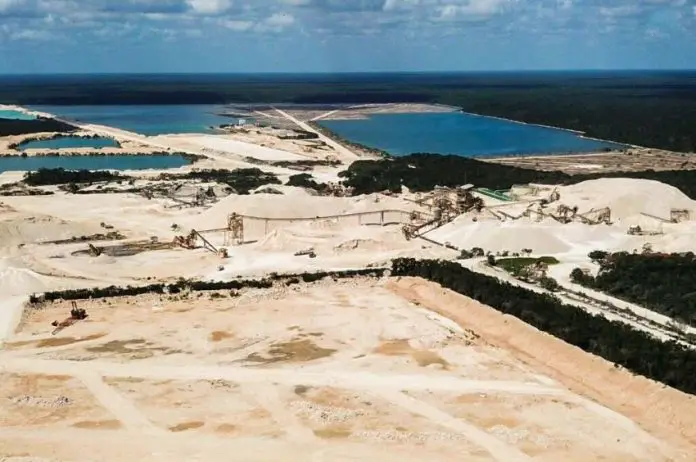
{"x": 667, "y": 362}
{"x": 242, "y": 180}
{"x": 53, "y": 176}
{"x": 305, "y": 180}
{"x": 515, "y": 266}
{"x": 299, "y": 134}
{"x": 665, "y": 283}
{"x": 305, "y": 164}
{"x": 9, "y": 127}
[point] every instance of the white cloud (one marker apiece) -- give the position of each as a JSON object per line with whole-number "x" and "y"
{"x": 280, "y": 20}
{"x": 209, "y": 6}
{"x": 296, "y": 2}
{"x": 473, "y": 9}
{"x": 277, "y": 22}
{"x": 239, "y": 26}
{"x": 31, "y": 34}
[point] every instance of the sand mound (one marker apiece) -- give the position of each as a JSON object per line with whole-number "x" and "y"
{"x": 626, "y": 197}
{"x": 31, "y": 229}
{"x": 294, "y": 204}
{"x": 496, "y": 236}
{"x": 17, "y": 280}
{"x": 270, "y": 206}
{"x": 361, "y": 244}
{"x": 288, "y": 240}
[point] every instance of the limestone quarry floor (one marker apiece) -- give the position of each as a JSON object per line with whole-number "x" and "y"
{"x": 334, "y": 371}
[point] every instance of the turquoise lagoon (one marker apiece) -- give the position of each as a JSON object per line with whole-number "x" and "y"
{"x": 66, "y": 142}
{"x": 146, "y": 119}
{"x": 117, "y": 162}
{"x": 16, "y": 115}
{"x": 460, "y": 134}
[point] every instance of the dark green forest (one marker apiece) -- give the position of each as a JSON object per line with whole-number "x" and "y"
{"x": 653, "y": 109}
{"x": 422, "y": 172}
{"x": 51, "y": 176}
{"x": 662, "y": 283}
{"x": 666, "y": 362}
{"x": 9, "y": 127}
{"x": 242, "y": 180}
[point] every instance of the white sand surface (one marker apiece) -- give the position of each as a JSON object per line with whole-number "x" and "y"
{"x": 220, "y": 143}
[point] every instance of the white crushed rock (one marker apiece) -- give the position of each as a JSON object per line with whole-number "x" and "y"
{"x": 325, "y": 414}
{"x": 34, "y": 401}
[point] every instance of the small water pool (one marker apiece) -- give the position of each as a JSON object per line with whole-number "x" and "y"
{"x": 67, "y": 142}
{"x": 119, "y": 162}
{"x": 16, "y": 115}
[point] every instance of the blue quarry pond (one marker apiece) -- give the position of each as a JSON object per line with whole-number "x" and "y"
{"x": 65, "y": 142}
{"x": 146, "y": 119}
{"x": 460, "y": 134}
{"x": 16, "y": 115}
{"x": 119, "y": 162}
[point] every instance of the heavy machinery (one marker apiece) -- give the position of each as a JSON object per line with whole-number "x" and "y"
{"x": 234, "y": 235}
{"x": 190, "y": 241}
{"x": 309, "y": 252}
{"x": 76, "y": 314}
{"x": 596, "y": 216}
{"x": 565, "y": 214}
{"x": 555, "y": 196}
{"x": 638, "y": 231}
{"x": 94, "y": 251}
{"x": 679, "y": 215}
{"x": 467, "y": 202}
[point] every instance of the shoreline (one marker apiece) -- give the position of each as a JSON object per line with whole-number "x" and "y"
{"x": 367, "y": 151}
{"x": 579, "y": 133}
{"x": 482, "y": 157}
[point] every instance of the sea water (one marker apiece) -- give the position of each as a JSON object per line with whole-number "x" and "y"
{"x": 16, "y": 115}
{"x": 146, "y": 119}
{"x": 459, "y": 134}
{"x": 118, "y": 162}
{"x": 66, "y": 142}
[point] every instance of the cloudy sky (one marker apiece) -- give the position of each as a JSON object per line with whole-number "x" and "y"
{"x": 344, "y": 35}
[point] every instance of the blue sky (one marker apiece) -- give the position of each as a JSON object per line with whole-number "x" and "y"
{"x": 78, "y": 36}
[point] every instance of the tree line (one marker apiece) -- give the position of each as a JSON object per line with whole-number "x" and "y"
{"x": 201, "y": 286}
{"x": 665, "y": 283}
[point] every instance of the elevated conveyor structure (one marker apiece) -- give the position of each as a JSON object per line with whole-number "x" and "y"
{"x": 248, "y": 228}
